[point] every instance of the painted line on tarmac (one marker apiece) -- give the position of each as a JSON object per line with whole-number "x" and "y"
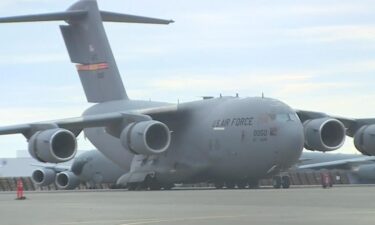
{"x": 151, "y": 221}
{"x": 184, "y": 219}
{"x": 105, "y": 221}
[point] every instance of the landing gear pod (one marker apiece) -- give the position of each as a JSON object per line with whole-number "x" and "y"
{"x": 146, "y": 138}
{"x": 53, "y": 145}
{"x": 324, "y": 134}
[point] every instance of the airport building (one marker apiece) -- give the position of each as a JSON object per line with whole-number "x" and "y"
{"x": 20, "y": 166}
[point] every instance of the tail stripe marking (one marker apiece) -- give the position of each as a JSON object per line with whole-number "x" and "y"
{"x": 92, "y": 67}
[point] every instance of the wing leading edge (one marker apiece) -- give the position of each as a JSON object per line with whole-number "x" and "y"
{"x": 352, "y": 125}
{"x": 340, "y": 164}
{"x": 77, "y": 124}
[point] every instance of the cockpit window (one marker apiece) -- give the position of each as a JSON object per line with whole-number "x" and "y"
{"x": 293, "y": 116}
{"x": 282, "y": 117}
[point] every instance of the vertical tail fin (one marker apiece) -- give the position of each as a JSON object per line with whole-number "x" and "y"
{"x": 88, "y": 46}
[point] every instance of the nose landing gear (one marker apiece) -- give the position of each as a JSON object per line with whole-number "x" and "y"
{"x": 281, "y": 181}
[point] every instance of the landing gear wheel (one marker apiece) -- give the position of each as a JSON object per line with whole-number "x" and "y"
{"x": 241, "y": 184}
{"x": 276, "y": 182}
{"x": 254, "y": 184}
{"x": 230, "y": 185}
{"x": 285, "y": 181}
{"x": 152, "y": 183}
{"x": 219, "y": 185}
{"x": 132, "y": 186}
{"x": 155, "y": 187}
{"x": 168, "y": 186}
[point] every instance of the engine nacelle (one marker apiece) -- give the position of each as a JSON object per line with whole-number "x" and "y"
{"x": 146, "y": 138}
{"x": 365, "y": 172}
{"x": 67, "y": 180}
{"x": 364, "y": 140}
{"x": 324, "y": 134}
{"x": 53, "y": 145}
{"x": 43, "y": 177}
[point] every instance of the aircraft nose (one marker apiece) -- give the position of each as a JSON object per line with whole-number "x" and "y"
{"x": 292, "y": 140}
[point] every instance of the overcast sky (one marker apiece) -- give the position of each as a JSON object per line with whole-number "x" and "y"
{"x": 313, "y": 54}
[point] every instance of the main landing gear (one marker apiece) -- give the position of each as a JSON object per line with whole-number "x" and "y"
{"x": 281, "y": 182}
{"x": 242, "y": 184}
{"x": 150, "y": 183}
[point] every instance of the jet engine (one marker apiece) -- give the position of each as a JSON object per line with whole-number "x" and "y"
{"x": 146, "y": 138}
{"x": 324, "y": 134}
{"x": 53, "y": 145}
{"x": 364, "y": 140}
{"x": 43, "y": 177}
{"x": 67, "y": 180}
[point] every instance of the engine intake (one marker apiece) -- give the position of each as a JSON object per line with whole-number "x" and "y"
{"x": 53, "y": 145}
{"x": 67, "y": 180}
{"x": 146, "y": 138}
{"x": 324, "y": 134}
{"x": 364, "y": 140}
{"x": 43, "y": 177}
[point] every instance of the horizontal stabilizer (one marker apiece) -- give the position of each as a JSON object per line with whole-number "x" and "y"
{"x": 79, "y": 14}
{"x": 69, "y": 15}
{"x": 126, "y": 18}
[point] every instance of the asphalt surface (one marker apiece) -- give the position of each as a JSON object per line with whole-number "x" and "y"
{"x": 338, "y": 206}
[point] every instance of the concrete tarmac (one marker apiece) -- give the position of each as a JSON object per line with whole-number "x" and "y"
{"x": 336, "y": 206}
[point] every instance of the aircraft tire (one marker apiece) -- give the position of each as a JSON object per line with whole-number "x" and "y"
{"x": 132, "y": 186}
{"x": 168, "y": 186}
{"x": 155, "y": 187}
{"x": 253, "y": 184}
{"x": 285, "y": 182}
{"x": 219, "y": 185}
{"x": 241, "y": 184}
{"x": 276, "y": 182}
{"x": 152, "y": 183}
{"x": 230, "y": 185}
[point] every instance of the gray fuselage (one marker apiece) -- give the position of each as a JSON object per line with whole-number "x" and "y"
{"x": 216, "y": 139}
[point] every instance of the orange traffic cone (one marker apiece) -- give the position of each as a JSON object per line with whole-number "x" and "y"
{"x": 20, "y": 190}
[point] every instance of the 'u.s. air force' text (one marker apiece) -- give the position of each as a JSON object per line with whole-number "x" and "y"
{"x": 240, "y": 121}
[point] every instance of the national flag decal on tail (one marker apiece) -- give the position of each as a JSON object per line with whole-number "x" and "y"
{"x": 92, "y": 67}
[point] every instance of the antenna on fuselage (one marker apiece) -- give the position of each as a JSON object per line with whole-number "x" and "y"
{"x": 262, "y": 94}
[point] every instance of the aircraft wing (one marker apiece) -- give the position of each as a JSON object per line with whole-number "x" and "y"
{"x": 351, "y": 125}
{"x": 76, "y": 124}
{"x": 340, "y": 164}
{"x": 54, "y": 167}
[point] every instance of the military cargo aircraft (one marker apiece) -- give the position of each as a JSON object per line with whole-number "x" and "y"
{"x": 91, "y": 167}
{"x": 230, "y": 141}
{"x": 361, "y": 168}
